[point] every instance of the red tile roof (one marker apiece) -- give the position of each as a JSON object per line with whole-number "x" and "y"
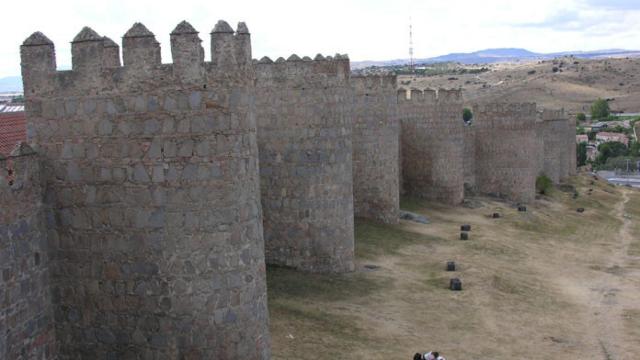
{"x": 13, "y": 129}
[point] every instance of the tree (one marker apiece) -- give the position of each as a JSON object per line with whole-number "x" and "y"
{"x": 600, "y": 109}
{"x": 591, "y": 135}
{"x": 581, "y": 151}
{"x": 581, "y": 117}
{"x": 634, "y": 149}
{"x": 467, "y": 115}
{"x": 611, "y": 149}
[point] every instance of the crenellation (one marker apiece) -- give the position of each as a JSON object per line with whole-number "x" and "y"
{"x": 140, "y": 49}
{"x": 38, "y": 63}
{"x": 187, "y": 54}
{"x": 111, "y": 54}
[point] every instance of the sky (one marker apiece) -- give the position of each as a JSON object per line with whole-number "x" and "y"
{"x": 364, "y": 29}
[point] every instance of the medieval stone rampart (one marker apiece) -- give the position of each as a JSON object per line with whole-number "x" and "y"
{"x": 304, "y": 139}
{"x": 506, "y": 150}
{"x": 26, "y": 319}
{"x": 376, "y": 136}
{"x": 469, "y": 157}
{"x": 432, "y": 144}
{"x": 554, "y": 127}
{"x": 152, "y": 172}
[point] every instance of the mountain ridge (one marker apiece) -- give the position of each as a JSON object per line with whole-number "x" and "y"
{"x": 495, "y": 55}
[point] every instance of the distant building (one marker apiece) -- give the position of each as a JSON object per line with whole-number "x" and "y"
{"x": 599, "y": 126}
{"x": 582, "y": 139}
{"x": 13, "y": 127}
{"x": 603, "y": 137}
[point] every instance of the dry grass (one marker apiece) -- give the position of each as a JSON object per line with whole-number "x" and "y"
{"x": 532, "y": 283}
{"x": 574, "y": 89}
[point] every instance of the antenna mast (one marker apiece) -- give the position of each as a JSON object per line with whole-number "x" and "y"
{"x": 411, "y": 64}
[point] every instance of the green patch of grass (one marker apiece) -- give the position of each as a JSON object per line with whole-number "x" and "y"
{"x": 312, "y": 328}
{"x": 291, "y": 284}
{"x": 412, "y": 204}
{"x": 373, "y": 239}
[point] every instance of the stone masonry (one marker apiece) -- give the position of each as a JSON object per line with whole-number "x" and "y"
{"x": 469, "y": 157}
{"x": 26, "y": 315}
{"x": 152, "y": 176}
{"x": 554, "y": 127}
{"x": 506, "y": 150}
{"x": 376, "y": 136}
{"x": 137, "y": 231}
{"x": 304, "y": 140}
{"x": 432, "y": 144}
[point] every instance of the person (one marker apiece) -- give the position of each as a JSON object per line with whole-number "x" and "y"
{"x": 417, "y": 356}
{"x": 433, "y": 355}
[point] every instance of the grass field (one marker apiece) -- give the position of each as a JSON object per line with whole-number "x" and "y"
{"x": 549, "y": 281}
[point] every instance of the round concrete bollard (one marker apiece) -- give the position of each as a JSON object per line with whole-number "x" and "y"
{"x": 451, "y": 266}
{"x": 464, "y": 236}
{"x": 455, "y": 284}
{"x": 465, "y": 228}
{"x": 580, "y": 210}
{"x": 522, "y": 208}
{"x": 496, "y": 215}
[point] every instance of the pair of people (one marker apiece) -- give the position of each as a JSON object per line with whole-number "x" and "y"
{"x": 431, "y": 355}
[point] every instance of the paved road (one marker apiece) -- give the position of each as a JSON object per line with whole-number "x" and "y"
{"x": 612, "y": 177}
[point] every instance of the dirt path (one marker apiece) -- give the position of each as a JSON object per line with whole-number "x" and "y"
{"x": 609, "y": 294}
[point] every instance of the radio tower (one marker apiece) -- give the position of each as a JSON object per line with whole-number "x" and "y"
{"x": 411, "y": 64}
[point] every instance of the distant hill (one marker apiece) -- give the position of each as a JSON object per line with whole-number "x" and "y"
{"x": 11, "y": 84}
{"x": 489, "y": 56}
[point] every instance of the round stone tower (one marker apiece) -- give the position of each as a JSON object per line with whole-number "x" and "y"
{"x": 152, "y": 176}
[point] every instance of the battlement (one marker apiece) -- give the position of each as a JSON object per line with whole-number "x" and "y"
{"x": 505, "y": 115}
{"x": 429, "y": 96}
{"x": 553, "y": 115}
{"x": 96, "y": 60}
{"x": 364, "y": 84}
{"x": 320, "y": 69}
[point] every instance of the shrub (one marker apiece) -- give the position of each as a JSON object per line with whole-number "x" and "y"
{"x": 544, "y": 185}
{"x": 581, "y": 117}
{"x": 467, "y": 115}
{"x": 600, "y": 109}
{"x": 581, "y": 152}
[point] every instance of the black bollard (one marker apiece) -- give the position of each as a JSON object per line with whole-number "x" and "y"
{"x": 451, "y": 266}
{"x": 455, "y": 284}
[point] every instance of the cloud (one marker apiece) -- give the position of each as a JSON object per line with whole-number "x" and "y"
{"x": 620, "y": 5}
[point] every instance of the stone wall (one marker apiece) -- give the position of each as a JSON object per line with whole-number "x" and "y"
{"x": 376, "y": 136}
{"x": 506, "y": 150}
{"x": 304, "y": 140}
{"x": 554, "y": 127}
{"x": 152, "y": 170}
{"x": 570, "y": 142}
{"x": 432, "y": 143}
{"x": 26, "y": 316}
{"x": 469, "y": 157}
